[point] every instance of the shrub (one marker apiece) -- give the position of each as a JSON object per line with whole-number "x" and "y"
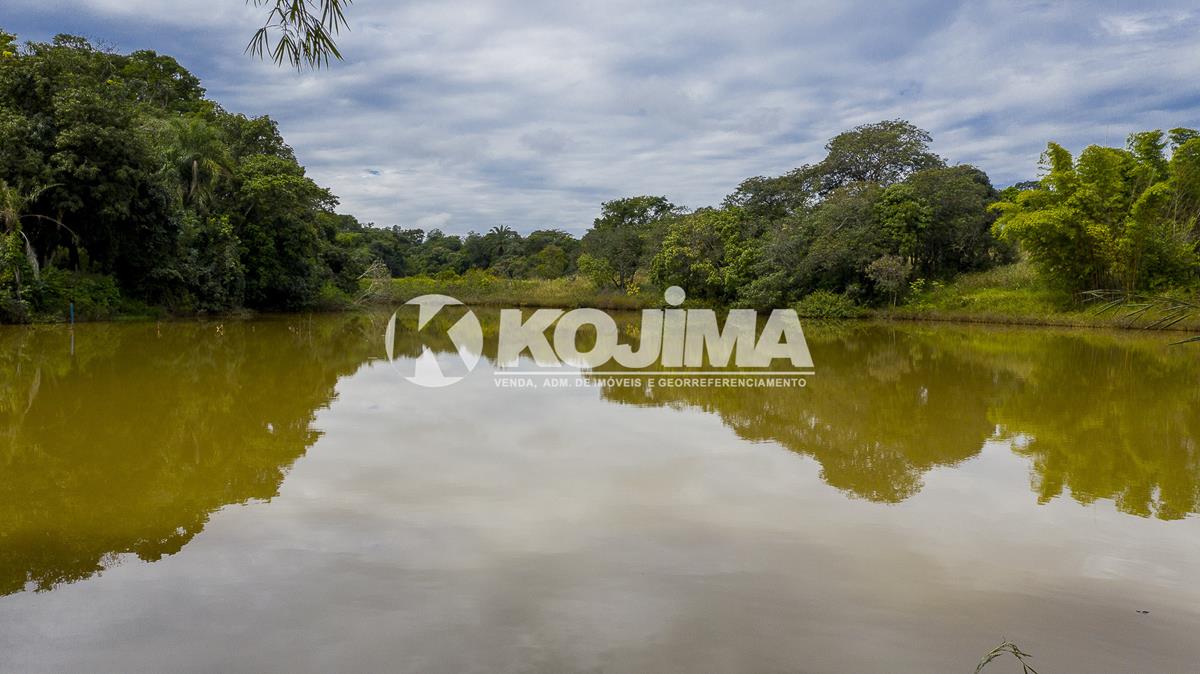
{"x": 96, "y": 296}
{"x": 13, "y": 310}
{"x": 331, "y": 298}
{"x": 823, "y": 304}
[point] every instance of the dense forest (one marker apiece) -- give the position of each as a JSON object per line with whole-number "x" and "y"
{"x": 123, "y": 188}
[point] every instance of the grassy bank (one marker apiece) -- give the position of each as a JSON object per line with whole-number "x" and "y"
{"x": 1012, "y": 294}
{"x": 488, "y": 290}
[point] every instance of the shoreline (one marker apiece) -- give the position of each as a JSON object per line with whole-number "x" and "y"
{"x": 634, "y": 303}
{"x": 1050, "y": 321}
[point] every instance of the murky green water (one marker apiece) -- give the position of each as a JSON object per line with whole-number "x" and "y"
{"x": 273, "y": 496}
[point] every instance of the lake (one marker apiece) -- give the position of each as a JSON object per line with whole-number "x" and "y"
{"x": 273, "y": 495}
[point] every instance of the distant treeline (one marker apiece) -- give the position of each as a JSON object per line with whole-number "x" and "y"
{"x": 121, "y": 184}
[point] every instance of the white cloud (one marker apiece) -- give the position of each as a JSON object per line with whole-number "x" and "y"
{"x": 530, "y": 113}
{"x": 433, "y": 221}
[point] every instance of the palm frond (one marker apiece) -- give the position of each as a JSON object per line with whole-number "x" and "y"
{"x": 1160, "y": 312}
{"x": 1012, "y": 649}
{"x": 31, "y": 257}
{"x": 300, "y": 32}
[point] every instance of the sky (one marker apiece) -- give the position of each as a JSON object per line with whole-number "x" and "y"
{"x": 462, "y": 115}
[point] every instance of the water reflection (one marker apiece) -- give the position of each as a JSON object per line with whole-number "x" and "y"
{"x": 127, "y": 445}
{"x": 1109, "y": 415}
{"x": 1101, "y": 415}
{"x": 882, "y": 410}
{"x": 1105, "y": 418}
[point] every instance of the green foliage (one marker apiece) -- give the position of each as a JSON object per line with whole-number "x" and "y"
{"x": 275, "y": 219}
{"x": 195, "y": 159}
{"x": 299, "y": 32}
{"x": 826, "y": 305}
{"x": 883, "y": 153}
{"x": 827, "y": 248}
{"x": 331, "y": 298}
{"x": 878, "y": 192}
{"x": 116, "y": 166}
{"x": 480, "y": 287}
{"x": 95, "y": 296}
{"x": 211, "y": 264}
{"x": 14, "y": 268}
{"x": 890, "y": 273}
{"x": 762, "y": 198}
{"x": 71, "y": 123}
{"x": 550, "y": 262}
{"x": 597, "y": 271}
{"x": 1148, "y": 148}
{"x": 709, "y": 253}
{"x": 1008, "y": 293}
{"x": 958, "y": 236}
{"x": 626, "y": 235}
{"x": 905, "y": 218}
{"x": 159, "y": 82}
{"x": 1113, "y": 218}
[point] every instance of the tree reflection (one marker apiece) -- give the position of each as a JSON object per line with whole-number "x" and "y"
{"x": 1103, "y": 417}
{"x": 1100, "y": 415}
{"x": 884, "y": 407}
{"x": 127, "y": 445}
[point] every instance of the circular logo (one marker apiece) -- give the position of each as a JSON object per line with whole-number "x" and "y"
{"x": 465, "y": 342}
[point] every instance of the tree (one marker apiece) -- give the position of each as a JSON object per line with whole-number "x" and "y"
{"x": 246, "y": 136}
{"x": 440, "y": 253}
{"x": 211, "y": 264}
{"x": 624, "y": 235}
{"x": 69, "y": 120}
{"x": 274, "y": 215}
{"x": 152, "y": 192}
{"x": 1181, "y": 135}
{"x": 906, "y": 218}
{"x": 160, "y": 83}
{"x": 890, "y": 273}
{"x": 883, "y": 153}
{"x": 549, "y": 262}
{"x": 540, "y": 238}
{"x": 958, "y": 235}
{"x": 709, "y": 253}
{"x": 1147, "y": 148}
{"x": 598, "y": 271}
{"x": 196, "y": 158}
{"x": 502, "y": 241}
{"x": 771, "y": 199}
{"x": 827, "y": 248}
{"x": 1112, "y": 218}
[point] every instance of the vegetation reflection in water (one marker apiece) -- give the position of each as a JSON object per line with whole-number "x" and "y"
{"x": 1101, "y": 414}
{"x": 127, "y": 442}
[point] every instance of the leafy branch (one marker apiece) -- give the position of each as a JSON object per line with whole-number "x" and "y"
{"x": 300, "y": 32}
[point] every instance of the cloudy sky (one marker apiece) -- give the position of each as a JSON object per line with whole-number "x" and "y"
{"x": 463, "y": 115}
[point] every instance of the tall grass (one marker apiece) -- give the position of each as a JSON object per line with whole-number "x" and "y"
{"x": 1010, "y": 294}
